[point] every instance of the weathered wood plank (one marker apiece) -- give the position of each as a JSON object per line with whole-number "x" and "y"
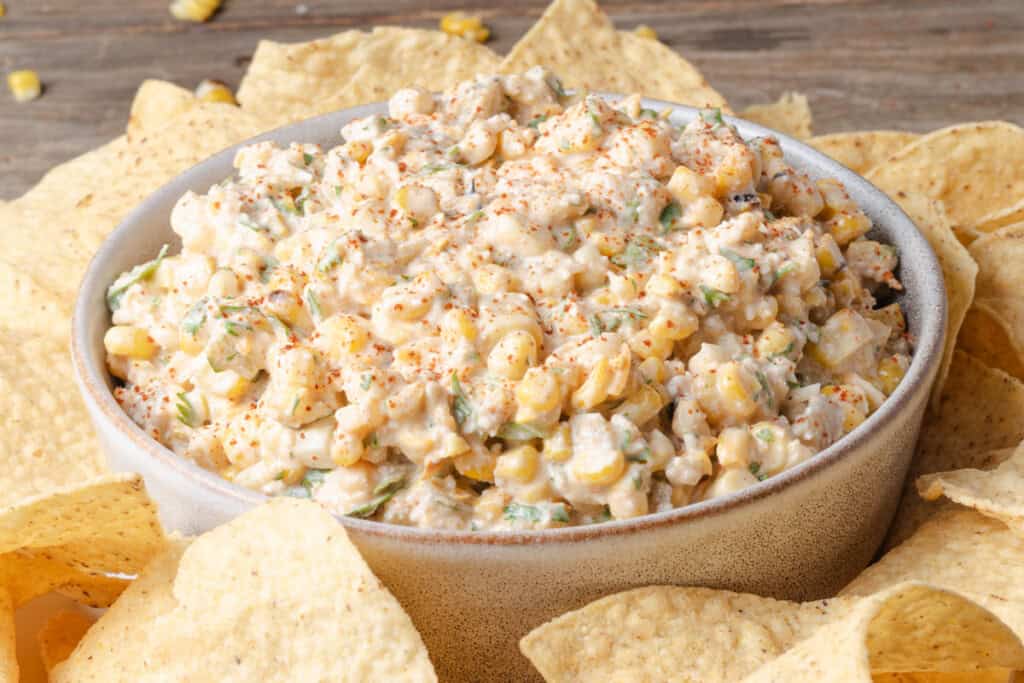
{"x": 868, "y": 63}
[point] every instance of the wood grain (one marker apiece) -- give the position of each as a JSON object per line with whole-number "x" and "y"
{"x": 912, "y": 64}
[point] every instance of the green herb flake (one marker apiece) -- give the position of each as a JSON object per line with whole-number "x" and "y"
{"x": 741, "y": 262}
{"x": 383, "y": 492}
{"x": 755, "y": 469}
{"x": 295, "y": 404}
{"x": 765, "y": 434}
{"x": 537, "y": 121}
{"x": 286, "y": 205}
{"x": 641, "y": 456}
{"x": 137, "y": 274}
{"x": 784, "y": 353}
{"x": 462, "y": 409}
{"x": 648, "y": 113}
{"x": 194, "y": 318}
{"x": 232, "y": 327}
{"x": 313, "y": 478}
{"x": 560, "y": 513}
{"x": 765, "y": 390}
{"x": 556, "y": 86}
{"x": 313, "y": 304}
{"x": 596, "y": 326}
{"x": 566, "y": 237}
{"x": 784, "y": 270}
{"x": 331, "y": 258}
{"x": 366, "y": 382}
{"x": 669, "y": 215}
{"x": 712, "y": 116}
{"x": 307, "y": 158}
{"x": 523, "y": 513}
{"x": 637, "y": 253}
{"x": 713, "y": 297}
{"x": 186, "y": 413}
{"x": 247, "y": 222}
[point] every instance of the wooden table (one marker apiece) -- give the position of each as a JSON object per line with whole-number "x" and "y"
{"x": 910, "y": 64}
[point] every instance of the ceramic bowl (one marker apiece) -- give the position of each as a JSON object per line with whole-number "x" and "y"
{"x": 800, "y": 535}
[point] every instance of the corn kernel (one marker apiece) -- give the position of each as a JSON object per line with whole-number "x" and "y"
{"x": 852, "y": 401}
{"x": 342, "y": 334}
{"x": 775, "y": 340}
{"x": 457, "y": 326}
{"x": 645, "y": 345}
{"x": 558, "y": 446}
{"x": 842, "y": 335}
{"x": 453, "y": 444}
{"x": 223, "y": 283}
{"x": 24, "y": 85}
{"x": 229, "y": 384}
{"x": 846, "y": 227}
{"x": 346, "y": 449}
{"x": 210, "y": 90}
{"x": 733, "y": 449}
{"x": 645, "y": 31}
{"x": 518, "y": 464}
{"x": 599, "y": 467}
{"x": 687, "y": 186}
{"x": 890, "y": 372}
{"x": 465, "y": 26}
{"x": 594, "y": 389}
{"x": 828, "y": 255}
{"x": 654, "y": 370}
{"x": 664, "y": 286}
{"x": 536, "y": 393}
{"x": 513, "y": 355}
{"x": 733, "y": 387}
{"x": 642, "y": 406}
{"x": 194, "y": 10}
{"x": 476, "y": 464}
{"x": 674, "y": 321}
{"x": 131, "y": 342}
{"x": 358, "y": 150}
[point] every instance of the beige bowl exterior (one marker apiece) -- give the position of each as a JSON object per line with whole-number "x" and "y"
{"x": 800, "y": 535}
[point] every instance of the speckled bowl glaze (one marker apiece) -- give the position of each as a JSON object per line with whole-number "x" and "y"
{"x": 802, "y": 534}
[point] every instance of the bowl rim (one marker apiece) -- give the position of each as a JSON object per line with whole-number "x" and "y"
{"x": 931, "y": 302}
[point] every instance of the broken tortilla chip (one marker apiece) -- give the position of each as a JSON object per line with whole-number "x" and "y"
{"x": 863, "y": 150}
{"x": 981, "y": 410}
{"x": 972, "y": 168}
{"x": 289, "y": 82}
{"x": 986, "y": 335}
{"x": 265, "y": 587}
{"x": 1001, "y": 218}
{"x": 157, "y": 103}
{"x": 997, "y": 493}
{"x": 8, "y": 645}
{"x": 790, "y": 115}
{"x": 576, "y": 40}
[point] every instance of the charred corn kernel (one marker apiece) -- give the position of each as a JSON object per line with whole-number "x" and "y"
{"x": 674, "y": 321}
{"x": 654, "y": 370}
{"x": 664, "y": 286}
{"x": 599, "y": 467}
{"x": 645, "y": 31}
{"x": 642, "y": 406}
{"x": 210, "y": 90}
{"x": 476, "y": 464}
{"x": 358, "y": 150}
{"x": 513, "y": 355}
{"x": 558, "y": 446}
{"x": 890, "y": 372}
{"x": 852, "y": 401}
{"x": 518, "y": 464}
{"x": 229, "y": 384}
{"x": 536, "y": 393}
{"x": 194, "y": 10}
{"x": 594, "y": 389}
{"x": 130, "y": 342}
{"x": 734, "y": 389}
{"x": 342, "y": 334}
{"x": 846, "y": 227}
{"x": 645, "y": 345}
{"x": 828, "y": 255}
{"x": 223, "y": 283}
{"x": 775, "y": 340}
{"x": 24, "y": 85}
{"x": 346, "y": 449}
{"x": 733, "y": 448}
{"x": 687, "y": 186}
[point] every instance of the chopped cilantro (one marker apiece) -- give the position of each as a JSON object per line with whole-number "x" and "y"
{"x": 643, "y": 455}
{"x": 765, "y": 390}
{"x": 741, "y": 262}
{"x": 537, "y": 121}
{"x": 247, "y": 222}
{"x": 755, "y": 469}
{"x": 384, "y": 492}
{"x": 784, "y": 270}
{"x": 637, "y": 253}
{"x": 307, "y": 158}
{"x": 194, "y": 318}
{"x": 565, "y": 237}
{"x": 331, "y": 258}
{"x": 137, "y": 274}
{"x": 713, "y": 297}
{"x": 712, "y": 116}
{"x": 648, "y": 113}
{"x": 312, "y": 478}
{"x": 516, "y": 431}
{"x": 462, "y": 409}
{"x": 784, "y": 353}
{"x": 313, "y": 304}
{"x": 186, "y": 413}
{"x": 286, "y": 205}
{"x": 765, "y": 434}
{"x": 520, "y": 512}
{"x": 366, "y": 382}
{"x": 560, "y": 513}
{"x": 232, "y": 327}
{"x": 669, "y": 215}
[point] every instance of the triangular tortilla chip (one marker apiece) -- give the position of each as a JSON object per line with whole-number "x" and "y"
{"x": 862, "y": 150}
{"x": 790, "y": 115}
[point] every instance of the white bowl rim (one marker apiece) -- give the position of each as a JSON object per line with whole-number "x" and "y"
{"x": 930, "y": 301}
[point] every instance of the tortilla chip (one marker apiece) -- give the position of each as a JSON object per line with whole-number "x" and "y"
{"x": 288, "y": 82}
{"x": 8, "y": 646}
{"x": 45, "y": 433}
{"x": 863, "y": 150}
{"x": 281, "y": 592}
{"x": 972, "y": 168}
{"x": 663, "y": 633}
{"x": 1001, "y": 218}
{"x": 909, "y": 627}
{"x": 962, "y": 551}
{"x": 790, "y": 115}
{"x": 981, "y": 410}
{"x": 59, "y": 637}
{"x": 981, "y": 676}
{"x": 958, "y": 271}
{"x": 30, "y": 309}
{"x": 987, "y": 336}
{"x": 997, "y": 493}
{"x": 155, "y": 104}
{"x": 27, "y": 575}
{"x": 577, "y": 41}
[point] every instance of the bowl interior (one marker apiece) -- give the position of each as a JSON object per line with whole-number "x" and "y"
{"x": 141, "y": 234}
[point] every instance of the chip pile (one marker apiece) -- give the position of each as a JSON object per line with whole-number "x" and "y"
{"x": 945, "y": 603}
